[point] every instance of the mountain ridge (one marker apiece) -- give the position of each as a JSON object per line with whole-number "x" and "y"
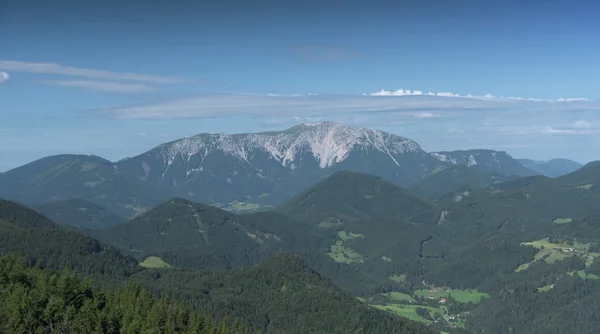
{"x": 240, "y": 172}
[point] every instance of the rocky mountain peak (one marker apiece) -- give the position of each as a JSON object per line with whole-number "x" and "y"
{"x": 327, "y": 142}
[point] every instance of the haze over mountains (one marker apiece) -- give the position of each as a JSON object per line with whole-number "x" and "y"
{"x": 250, "y": 172}
{"x": 551, "y": 168}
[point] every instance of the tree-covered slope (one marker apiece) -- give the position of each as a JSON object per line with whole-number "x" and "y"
{"x": 521, "y": 205}
{"x": 78, "y": 213}
{"x": 348, "y": 196}
{"x": 586, "y": 177}
{"x": 192, "y": 235}
{"x": 39, "y": 301}
{"x": 40, "y": 241}
{"x": 281, "y": 295}
{"x": 311, "y": 304}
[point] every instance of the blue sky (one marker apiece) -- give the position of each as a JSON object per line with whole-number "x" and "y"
{"x": 118, "y": 79}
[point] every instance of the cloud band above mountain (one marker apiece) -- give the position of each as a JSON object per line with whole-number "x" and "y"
{"x": 408, "y": 92}
{"x": 417, "y": 106}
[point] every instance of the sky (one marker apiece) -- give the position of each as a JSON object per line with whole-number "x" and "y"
{"x": 117, "y": 78}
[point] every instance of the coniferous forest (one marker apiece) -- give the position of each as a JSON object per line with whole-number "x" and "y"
{"x": 38, "y": 301}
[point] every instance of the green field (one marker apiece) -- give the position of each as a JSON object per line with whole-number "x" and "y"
{"x": 583, "y": 274}
{"x": 409, "y": 311}
{"x": 546, "y": 288}
{"x": 433, "y": 293}
{"x": 586, "y": 186}
{"x": 243, "y": 206}
{"x": 349, "y": 235}
{"x": 550, "y": 252}
{"x": 154, "y": 262}
{"x": 562, "y": 220}
{"x": 399, "y": 296}
{"x": 461, "y": 296}
{"x": 343, "y": 254}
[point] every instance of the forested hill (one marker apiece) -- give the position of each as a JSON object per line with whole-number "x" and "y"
{"x": 38, "y": 301}
{"x": 78, "y": 213}
{"x": 280, "y": 295}
{"x": 41, "y": 241}
{"x": 348, "y": 196}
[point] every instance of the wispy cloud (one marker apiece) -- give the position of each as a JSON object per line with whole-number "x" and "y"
{"x": 409, "y": 92}
{"x": 581, "y": 124}
{"x": 567, "y": 131}
{"x": 421, "y": 107}
{"x": 103, "y": 86}
{"x": 58, "y": 69}
{"x": 4, "y": 77}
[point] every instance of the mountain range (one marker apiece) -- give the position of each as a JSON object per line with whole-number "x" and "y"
{"x": 256, "y": 171}
{"x": 489, "y": 243}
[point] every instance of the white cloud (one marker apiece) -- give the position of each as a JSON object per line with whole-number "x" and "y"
{"x": 581, "y": 125}
{"x": 408, "y": 92}
{"x": 426, "y": 115}
{"x": 4, "y": 77}
{"x": 399, "y": 92}
{"x": 563, "y": 131}
{"x": 57, "y": 69}
{"x": 103, "y": 86}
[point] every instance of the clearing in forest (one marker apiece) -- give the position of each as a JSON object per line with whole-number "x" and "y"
{"x": 410, "y": 311}
{"x": 562, "y": 220}
{"x": 343, "y": 254}
{"x": 154, "y": 262}
{"x": 551, "y": 252}
{"x": 399, "y": 296}
{"x": 461, "y": 296}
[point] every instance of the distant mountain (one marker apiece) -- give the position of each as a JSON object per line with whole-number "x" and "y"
{"x": 269, "y": 167}
{"x": 348, "y": 196}
{"x": 495, "y": 162}
{"x": 241, "y": 172}
{"x": 91, "y": 178}
{"x": 454, "y": 178}
{"x": 551, "y": 168}
{"x": 40, "y": 241}
{"x": 79, "y": 213}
